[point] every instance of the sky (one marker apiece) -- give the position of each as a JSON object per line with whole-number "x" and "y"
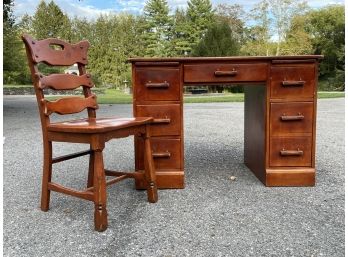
{"x": 93, "y": 8}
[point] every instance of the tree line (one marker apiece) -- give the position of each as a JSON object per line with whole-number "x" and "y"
{"x": 271, "y": 27}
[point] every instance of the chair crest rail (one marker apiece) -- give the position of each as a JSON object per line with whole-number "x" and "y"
{"x": 57, "y": 52}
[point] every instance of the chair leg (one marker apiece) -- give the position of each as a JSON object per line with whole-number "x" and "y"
{"x": 99, "y": 181}
{"x": 90, "y": 169}
{"x": 47, "y": 175}
{"x": 150, "y": 173}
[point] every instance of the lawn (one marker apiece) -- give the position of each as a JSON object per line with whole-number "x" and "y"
{"x": 113, "y": 96}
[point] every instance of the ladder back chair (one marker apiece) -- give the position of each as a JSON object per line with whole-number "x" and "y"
{"x": 91, "y": 130}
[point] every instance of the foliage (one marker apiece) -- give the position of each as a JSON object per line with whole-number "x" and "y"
{"x": 50, "y": 21}
{"x": 7, "y": 6}
{"x": 297, "y": 41}
{"x": 234, "y": 16}
{"x": 272, "y": 27}
{"x": 273, "y": 22}
{"x": 326, "y": 28}
{"x": 181, "y": 31}
{"x": 14, "y": 64}
{"x": 199, "y": 17}
{"x": 157, "y": 28}
{"x": 217, "y": 41}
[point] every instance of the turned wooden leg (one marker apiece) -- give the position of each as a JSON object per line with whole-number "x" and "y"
{"x": 90, "y": 169}
{"x": 150, "y": 173}
{"x": 47, "y": 175}
{"x": 99, "y": 181}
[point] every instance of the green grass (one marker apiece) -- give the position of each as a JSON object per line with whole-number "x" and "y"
{"x": 335, "y": 94}
{"x": 17, "y": 86}
{"x": 237, "y": 97}
{"x": 113, "y": 96}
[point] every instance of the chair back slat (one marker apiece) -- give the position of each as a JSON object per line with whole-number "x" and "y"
{"x": 64, "y": 81}
{"x": 56, "y": 52}
{"x": 69, "y": 105}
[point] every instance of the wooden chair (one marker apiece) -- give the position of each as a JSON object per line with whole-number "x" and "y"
{"x": 91, "y": 130}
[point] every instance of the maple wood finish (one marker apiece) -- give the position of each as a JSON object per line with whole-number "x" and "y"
{"x": 91, "y": 130}
{"x": 280, "y": 112}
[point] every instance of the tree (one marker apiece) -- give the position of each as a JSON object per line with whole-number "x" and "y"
{"x": 233, "y": 15}
{"x": 326, "y": 27}
{"x": 273, "y": 19}
{"x": 50, "y": 21}
{"x": 297, "y": 41}
{"x": 259, "y": 35}
{"x": 158, "y": 26}
{"x": 200, "y": 16}
{"x": 217, "y": 41}
{"x": 14, "y": 64}
{"x": 8, "y": 12}
{"x": 283, "y": 11}
{"x": 181, "y": 28}
{"x": 114, "y": 38}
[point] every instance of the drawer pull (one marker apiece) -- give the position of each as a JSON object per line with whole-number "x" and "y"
{"x": 220, "y": 73}
{"x": 164, "y": 120}
{"x": 165, "y": 154}
{"x": 292, "y": 117}
{"x": 297, "y": 152}
{"x": 299, "y": 83}
{"x": 164, "y": 84}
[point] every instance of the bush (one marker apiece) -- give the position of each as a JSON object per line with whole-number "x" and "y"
{"x": 335, "y": 83}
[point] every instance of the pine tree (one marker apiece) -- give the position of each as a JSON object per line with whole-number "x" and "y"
{"x": 157, "y": 28}
{"x": 181, "y": 27}
{"x": 50, "y": 21}
{"x": 217, "y": 41}
{"x": 200, "y": 16}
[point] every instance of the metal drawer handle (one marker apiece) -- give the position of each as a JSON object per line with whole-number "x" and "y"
{"x": 165, "y": 154}
{"x": 297, "y": 152}
{"x": 164, "y": 84}
{"x": 162, "y": 120}
{"x": 288, "y": 83}
{"x": 220, "y": 73}
{"x": 299, "y": 116}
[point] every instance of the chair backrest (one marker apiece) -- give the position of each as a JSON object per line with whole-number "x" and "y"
{"x": 55, "y": 52}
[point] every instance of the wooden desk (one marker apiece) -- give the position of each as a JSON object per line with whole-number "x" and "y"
{"x": 280, "y": 113}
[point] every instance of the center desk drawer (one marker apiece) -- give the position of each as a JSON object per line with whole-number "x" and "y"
{"x": 217, "y": 72}
{"x": 167, "y": 118}
{"x": 291, "y": 117}
{"x": 292, "y": 81}
{"x": 166, "y": 153}
{"x": 156, "y": 83}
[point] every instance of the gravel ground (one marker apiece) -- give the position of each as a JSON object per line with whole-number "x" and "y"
{"x": 212, "y": 216}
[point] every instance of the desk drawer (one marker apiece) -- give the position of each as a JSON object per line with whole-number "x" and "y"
{"x": 291, "y": 151}
{"x": 291, "y": 117}
{"x": 166, "y": 152}
{"x": 292, "y": 81}
{"x": 156, "y": 83}
{"x": 217, "y": 72}
{"x": 167, "y": 118}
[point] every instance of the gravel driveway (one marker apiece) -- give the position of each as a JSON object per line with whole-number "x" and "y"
{"x": 212, "y": 216}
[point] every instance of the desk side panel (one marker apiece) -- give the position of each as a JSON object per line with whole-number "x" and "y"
{"x": 254, "y": 130}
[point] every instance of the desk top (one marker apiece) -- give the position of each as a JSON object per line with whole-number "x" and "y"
{"x": 227, "y": 58}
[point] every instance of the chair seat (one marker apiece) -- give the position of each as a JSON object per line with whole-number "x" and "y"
{"x": 97, "y": 125}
